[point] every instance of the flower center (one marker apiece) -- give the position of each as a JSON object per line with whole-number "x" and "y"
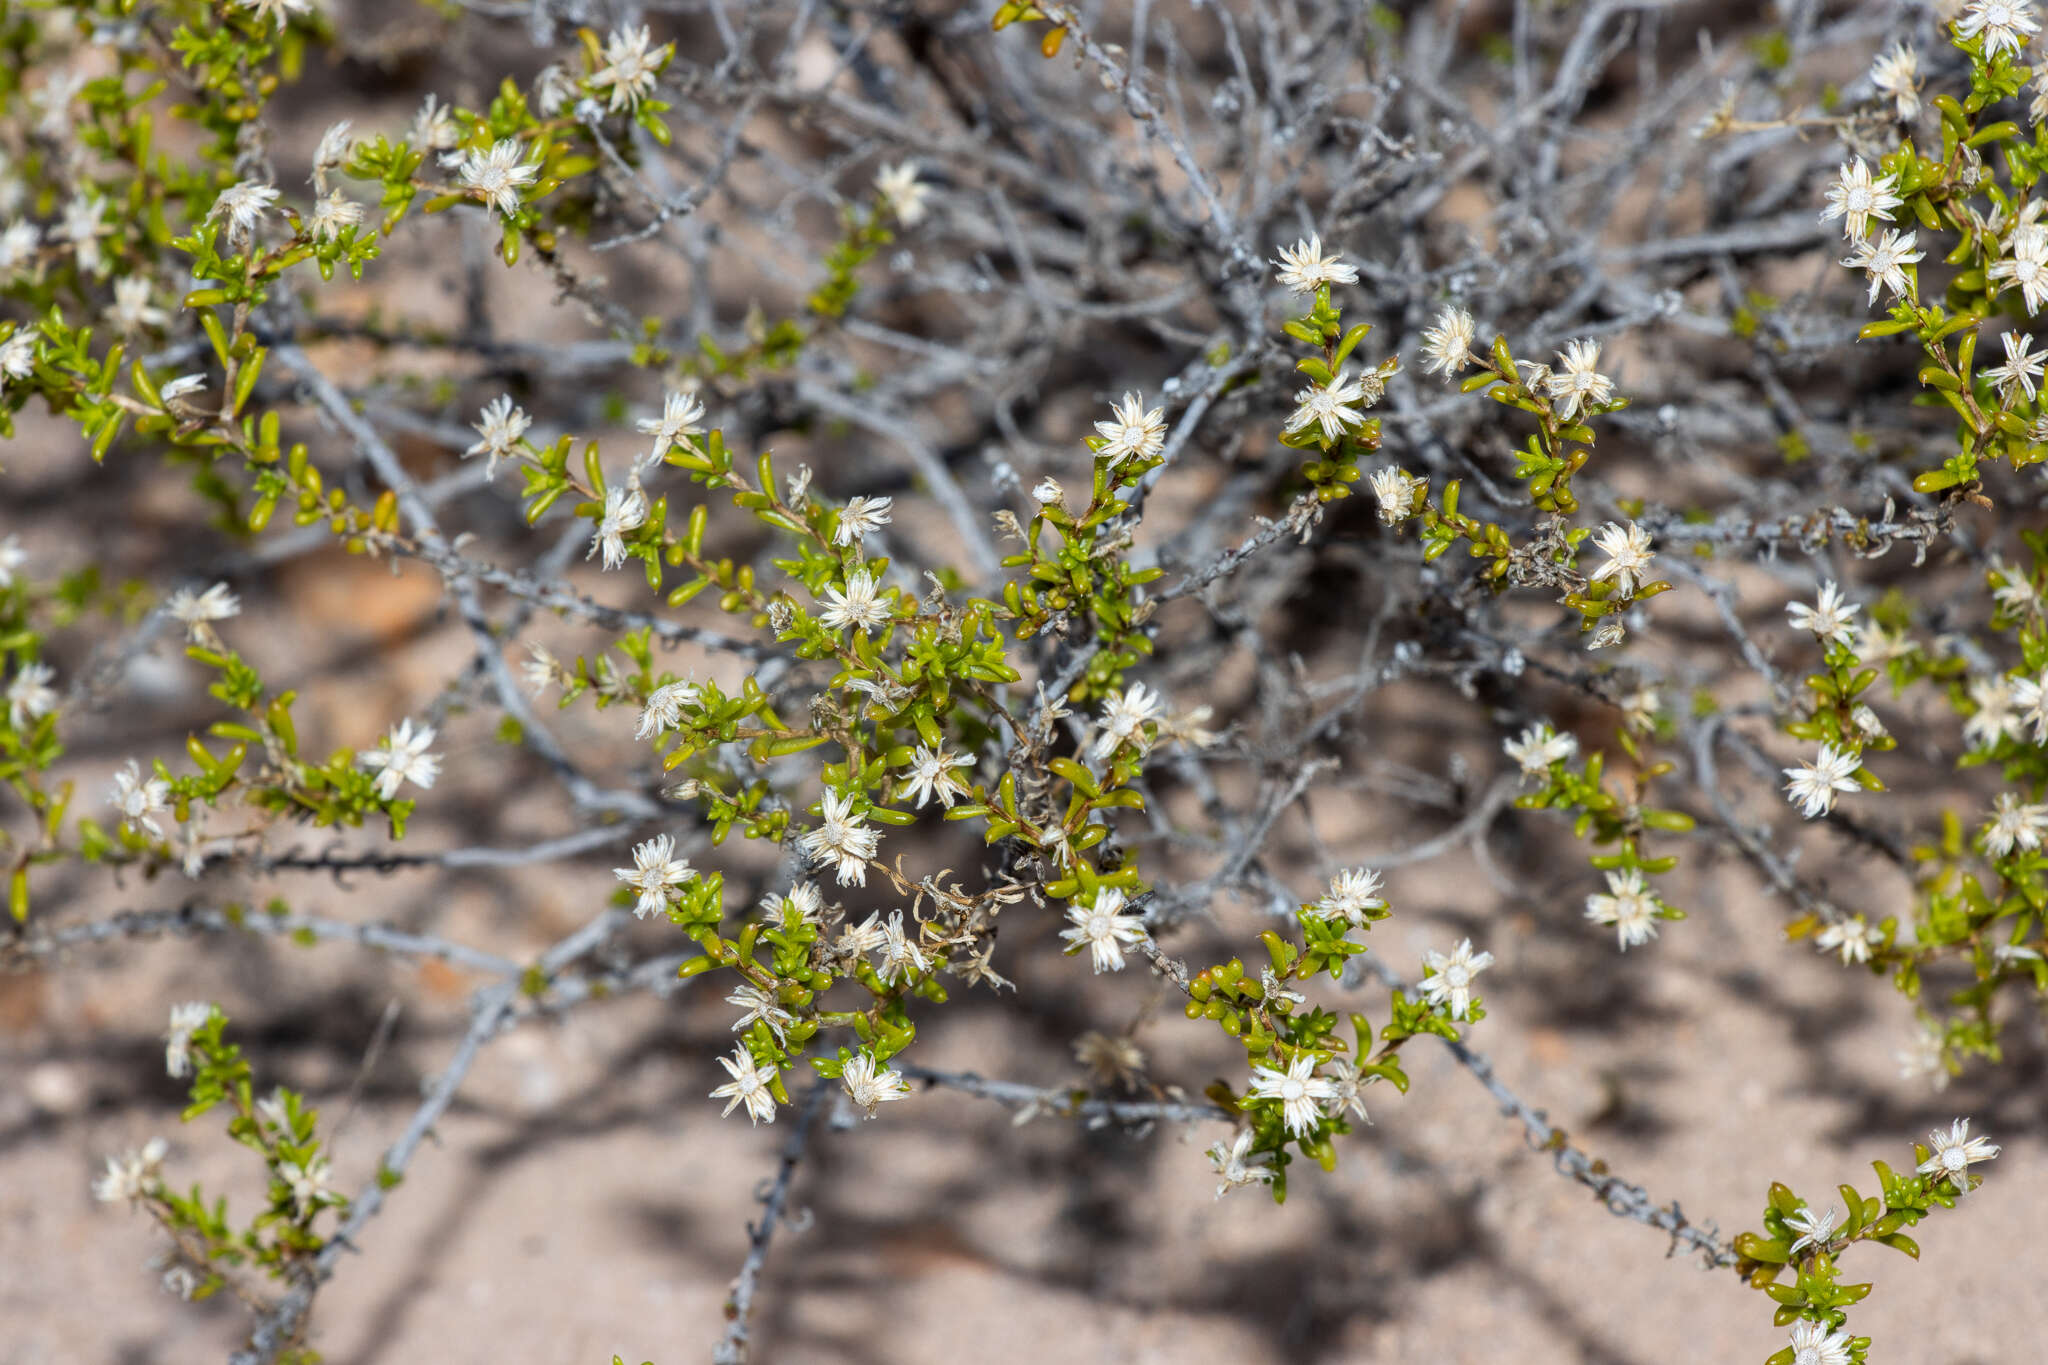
{"x": 1291, "y": 1089}
{"x": 1458, "y": 976}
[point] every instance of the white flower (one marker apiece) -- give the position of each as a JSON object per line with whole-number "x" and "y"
{"x": 131, "y": 1176}
{"x": 1813, "y": 786}
{"x": 498, "y": 174}
{"x": 1353, "y": 895}
{"x": 131, "y": 310}
{"x": 540, "y": 669}
{"x": 308, "y": 1184}
{"x": 336, "y": 146}
{"x": 186, "y": 1019}
{"x": 655, "y": 869}
{"x": 1954, "y": 1152}
{"x": 2022, "y": 368}
{"x": 899, "y": 186}
{"x": 1328, "y": 407}
{"x": 1347, "y": 1090}
{"x": 930, "y": 775}
{"x": 1048, "y": 491}
{"x": 501, "y": 425}
{"x": 630, "y": 70}
{"x": 197, "y": 611}
{"x": 1815, "y": 1227}
{"x": 276, "y": 9}
{"x": 1856, "y": 199}
{"x": 1450, "y": 978}
{"x": 1538, "y": 748}
{"x": 1298, "y": 1089}
{"x": 1628, "y": 555}
{"x": 2008, "y": 953}
{"x": 842, "y": 841}
{"x": 2026, "y": 267}
{"x": 182, "y": 385}
{"x": 1135, "y": 432}
{"x": 1813, "y": 1344}
{"x": 1994, "y": 718}
{"x": 274, "y": 1111}
{"x": 2017, "y": 595}
{"x": 800, "y": 907}
{"x": 403, "y": 758}
{"x": 1230, "y": 1164}
{"x": 749, "y": 1086}
{"x": 333, "y": 214}
{"x": 1124, "y": 716}
{"x": 1924, "y": 1058}
{"x": 433, "y": 128}
{"x": 1447, "y": 347}
{"x": 2031, "y": 696}
{"x": 861, "y": 606}
{"x": 2014, "y": 825}
{"x": 1886, "y": 258}
{"x": 865, "y": 937}
{"x": 1639, "y": 709}
{"x": 901, "y": 953}
{"x": 860, "y": 516}
{"x": 139, "y": 799}
{"x": 1579, "y": 383}
{"x": 242, "y": 206}
{"x": 1850, "y": 937}
{"x": 18, "y": 354}
{"x": 680, "y": 414}
{"x": 1304, "y": 268}
{"x": 17, "y": 245}
{"x": 868, "y": 1083}
{"x": 2004, "y": 25}
{"x": 1897, "y": 74}
{"x": 664, "y": 709}
{"x": 1832, "y": 617}
{"x": 1628, "y": 906}
{"x": 1103, "y": 927}
{"x": 756, "y": 1003}
{"x": 30, "y": 696}
{"x": 83, "y": 226}
{"x": 625, "y": 509}
{"x": 1395, "y": 490}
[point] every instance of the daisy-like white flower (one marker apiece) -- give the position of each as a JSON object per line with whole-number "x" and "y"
{"x": 1953, "y": 1154}
{"x": 1447, "y": 347}
{"x": 333, "y": 214}
{"x": 278, "y": 10}
{"x": 630, "y": 69}
{"x": 2022, "y": 367}
{"x": 132, "y": 1176}
{"x": 433, "y": 128}
{"x": 902, "y": 950}
{"x": 861, "y": 606}
{"x": 308, "y": 1184}
{"x": 30, "y": 696}
{"x": 139, "y": 799}
{"x": 1347, "y": 1090}
{"x": 403, "y": 758}
{"x": 2014, "y": 824}
{"x": 1812, "y": 787}
{"x": 83, "y": 225}
{"x": 1229, "y": 1160}
{"x": 664, "y": 709}
{"x": 858, "y": 939}
{"x": 931, "y": 776}
{"x": 1353, "y": 896}
{"x": 756, "y": 1003}
{"x": 2026, "y": 267}
{"x": 1628, "y": 906}
{"x": 1813, "y": 1344}
{"x": 1328, "y": 407}
{"x": 2005, "y": 25}
{"x": 186, "y": 1020}
{"x": 842, "y": 841}
{"x": 1628, "y": 555}
{"x": 869, "y": 1083}
{"x": 131, "y": 310}
{"x": 1832, "y": 617}
{"x": 900, "y": 189}
{"x": 553, "y": 89}
{"x": 625, "y": 509}
{"x": 1305, "y": 268}
{"x": 1538, "y": 748}
{"x": 749, "y": 1086}
{"x": 501, "y": 424}
{"x": 655, "y": 869}
{"x": 540, "y": 669}
{"x": 803, "y": 905}
{"x": 1885, "y": 260}
{"x": 1850, "y": 937}
{"x": 1578, "y": 383}
{"x": 182, "y": 385}
{"x": 1124, "y": 716}
{"x": 1395, "y": 490}
{"x": 1134, "y": 431}
{"x": 274, "y": 1112}
{"x": 860, "y": 516}
{"x": 680, "y": 415}
{"x": 241, "y": 207}
{"x": 1299, "y": 1090}
{"x": 2016, "y": 595}
{"x": 1103, "y": 927}
{"x": 1639, "y": 710}
{"x": 1994, "y": 719}
{"x": 198, "y": 611}
{"x": 1897, "y": 73}
{"x": 1814, "y": 1226}
{"x": 1856, "y": 198}
{"x": 18, "y": 354}
{"x": 336, "y": 146}
{"x": 1047, "y": 492}
{"x": 18, "y": 245}
{"x": 1450, "y": 978}
{"x": 498, "y": 174}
